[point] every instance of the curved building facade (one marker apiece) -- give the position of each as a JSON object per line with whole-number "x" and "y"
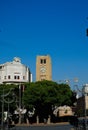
{"x": 14, "y": 72}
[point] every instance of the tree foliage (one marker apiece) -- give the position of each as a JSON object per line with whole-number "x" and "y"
{"x": 44, "y": 94}
{"x": 41, "y": 95}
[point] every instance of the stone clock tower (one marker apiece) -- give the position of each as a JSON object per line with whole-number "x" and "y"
{"x": 43, "y": 68}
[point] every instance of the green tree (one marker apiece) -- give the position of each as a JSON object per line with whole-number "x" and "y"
{"x": 42, "y": 95}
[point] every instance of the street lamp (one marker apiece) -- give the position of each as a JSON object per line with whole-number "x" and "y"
{"x": 8, "y": 101}
{"x": 19, "y": 104}
{"x": 4, "y": 101}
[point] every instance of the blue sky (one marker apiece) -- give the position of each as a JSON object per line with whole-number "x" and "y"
{"x": 40, "y": 27}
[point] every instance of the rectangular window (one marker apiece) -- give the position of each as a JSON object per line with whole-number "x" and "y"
{"x": 14, "y": 77}
{"x": 18, "y": 77}
{"x": 8, "y": 76}
{"x": 41, "y": 61}
{"x": 44, "y": 61}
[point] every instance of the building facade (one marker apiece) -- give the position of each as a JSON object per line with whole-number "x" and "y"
{"x": 82, "y": 102}
{"x": 14, "y": 72}
{"x": 43, "y": 68}
{"x": 63, "y": 111}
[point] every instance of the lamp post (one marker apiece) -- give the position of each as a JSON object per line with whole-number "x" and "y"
{"x": 2, "y": 119}
{"x": 8, "y": 101}
{"x": 19, "y": 104}
{"x": 4, "y": 101}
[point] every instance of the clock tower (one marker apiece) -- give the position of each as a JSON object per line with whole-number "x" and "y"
{"x": 43, "y": 68}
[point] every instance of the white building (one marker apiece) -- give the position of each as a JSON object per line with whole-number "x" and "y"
{"x": 82, "y": 101}
{"x": 85, "y": 93}
{"x": 85, "y": 89}
{"x": 14, "y": 72}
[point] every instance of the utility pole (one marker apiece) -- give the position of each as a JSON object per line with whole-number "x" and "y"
{"x": 19, "y": 104}
{"x": 4, "y": 101}
{"x": 2, "y": 121}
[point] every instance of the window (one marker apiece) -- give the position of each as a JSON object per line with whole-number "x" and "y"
{"x": 9, "y": 77}
{"x": 42, "y": 61}
{"x": 16, "y": 77}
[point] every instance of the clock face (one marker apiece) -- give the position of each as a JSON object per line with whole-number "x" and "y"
{"x": 43, "y": 69}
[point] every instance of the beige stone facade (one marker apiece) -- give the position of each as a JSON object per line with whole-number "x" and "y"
{"x": 63, "y": 111}
{"x": 86, "y": 101}
{"x": 43, "y": 68}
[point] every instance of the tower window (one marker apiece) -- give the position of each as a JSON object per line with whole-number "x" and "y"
{"x": 41, "y": 61}
{"x": 44, "y": 61}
